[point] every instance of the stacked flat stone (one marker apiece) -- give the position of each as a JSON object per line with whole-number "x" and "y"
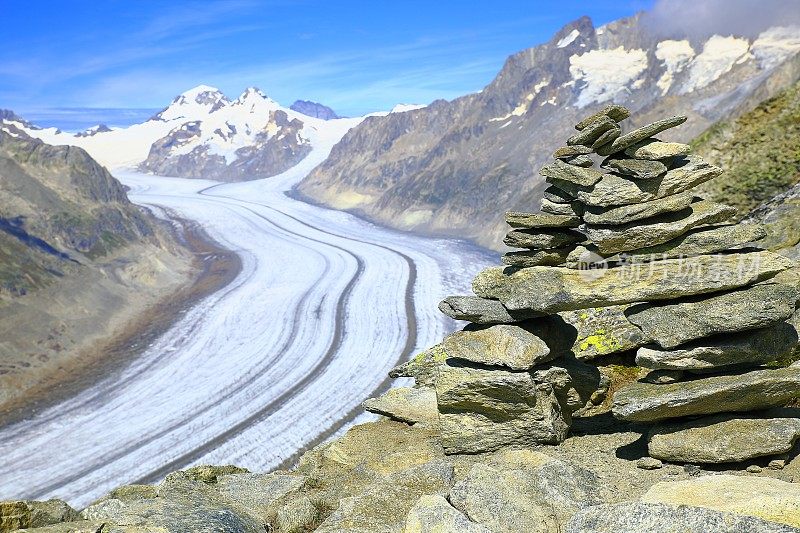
{"x": 623, "y": 257}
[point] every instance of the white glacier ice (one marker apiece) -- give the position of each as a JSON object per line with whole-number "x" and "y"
{"x": 606, "y": 74}
{"x": 325, "y": 305}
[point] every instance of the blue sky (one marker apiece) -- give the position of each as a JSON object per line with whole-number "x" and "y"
{"x": 356, "y": 57}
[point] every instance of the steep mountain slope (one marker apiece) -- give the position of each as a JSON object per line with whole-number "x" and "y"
{"x": 203, "y": 134}
{"x": 59, "y": 202}
{"x": 450, "y": 167}
{"x": 760, "y": 151}
{"x": 78, "y": 261}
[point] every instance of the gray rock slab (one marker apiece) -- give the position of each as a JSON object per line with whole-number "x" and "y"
{"x": 571, "y": 151}
{"x": 754, "y": 347}
{"x": 557, "y": 195}
{"x": 542, "y": 238}
{"x": 636, "y": 168}
{"x": 700, "y": 241}
{"x": 655, "y": 230}
{"x": 558, "y": 209}
{"x": 483, "y": 410}
{"x": 517, "y": 219}
{"x": 502, "y": 345}
{"x": 589, "y": 134}
{"x": 607, "y": 137}
{"x": 625, "y": 214}
{"x": 614, "y": 111}
{"x": 724, "y": 438}
{"x": 553, "y": 289}
{"x": 752, "y": 391}
{"x": 673, "y": 324}
{"x": 579, "y": 161}
{"x": 529, "y": 258}
{"x": 480, "y": 310}
{"x": 411, "y": 405}
{"x": 581, "y": 176}
{"x": 640, "y": 134}
{"x": 614, "y": 190}
{"x": 654, "y": 150}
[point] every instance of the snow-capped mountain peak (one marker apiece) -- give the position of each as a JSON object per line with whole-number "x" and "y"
{"x": 202, "y": 133}
{"x": 252, "y": 100}
{"x": 198, "y": 101}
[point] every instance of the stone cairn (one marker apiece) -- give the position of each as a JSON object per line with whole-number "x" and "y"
{"x": 623, "y": 260}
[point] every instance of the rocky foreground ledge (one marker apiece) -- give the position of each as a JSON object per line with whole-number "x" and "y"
{"x": 634, "y": 368}
{"x": 391, "y": 476}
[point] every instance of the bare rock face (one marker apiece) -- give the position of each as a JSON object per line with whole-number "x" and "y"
{"x": 268, "y": 155}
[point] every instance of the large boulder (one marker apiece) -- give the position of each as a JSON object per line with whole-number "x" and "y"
{"x": 724, "y": 438}
{"x": 552, "y": 289}
{"x": 761, "y": 497}
{"x": 483, "y": 410}
{"x": 525, "y": 490}
{"x": 637, "y": 517}
{"x": 673, "y": 324}
{"x": 434, "y": 513}
{"x": 503, "y": 345}
{"x": 760, "y": 389}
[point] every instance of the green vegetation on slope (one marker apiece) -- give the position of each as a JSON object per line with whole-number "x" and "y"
{"x": 760, "y": 152}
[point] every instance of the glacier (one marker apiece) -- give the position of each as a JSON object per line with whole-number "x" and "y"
{"x": 278, "y": 360}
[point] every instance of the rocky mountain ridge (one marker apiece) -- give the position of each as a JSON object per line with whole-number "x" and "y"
{"x": 431, "y": 169}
